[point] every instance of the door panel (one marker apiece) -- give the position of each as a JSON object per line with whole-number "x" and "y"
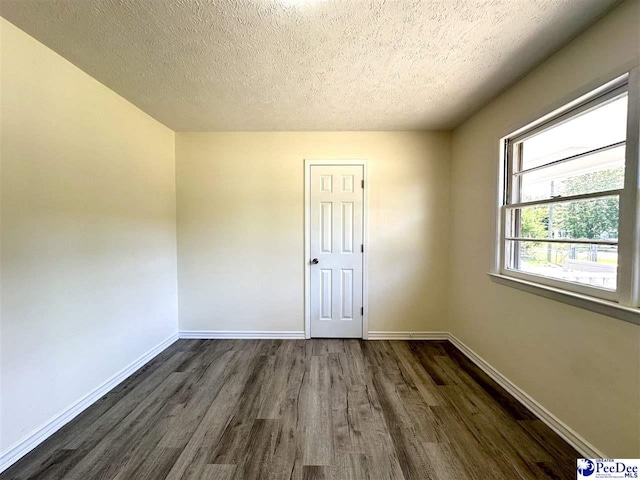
{"x": 326, "y": 224}
{"x": 326, "y": 297}
{"x": 336, "y": 237}
{"x": 347, "y": 295}
{"x": 347, "y": 227}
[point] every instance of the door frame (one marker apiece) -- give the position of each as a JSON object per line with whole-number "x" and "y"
{"x": 308, "y": 163}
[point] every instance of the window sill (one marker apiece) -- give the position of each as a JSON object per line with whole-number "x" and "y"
{"x": 604, "y": 307}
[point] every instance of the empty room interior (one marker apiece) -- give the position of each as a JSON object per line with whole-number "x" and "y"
{"x": 319, "y": 239}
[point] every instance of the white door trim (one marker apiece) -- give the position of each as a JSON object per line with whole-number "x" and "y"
{"x": 307, "y": 239}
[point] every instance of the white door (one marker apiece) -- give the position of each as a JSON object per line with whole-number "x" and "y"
{"x": 336, "y": 211}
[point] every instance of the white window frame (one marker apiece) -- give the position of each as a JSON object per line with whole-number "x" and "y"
{"x": 625, "y": 300}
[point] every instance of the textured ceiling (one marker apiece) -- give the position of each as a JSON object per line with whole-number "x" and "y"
{"x": 198, "y": 65}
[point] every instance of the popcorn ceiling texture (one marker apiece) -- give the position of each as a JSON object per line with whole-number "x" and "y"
{"x": 199, "y": 65}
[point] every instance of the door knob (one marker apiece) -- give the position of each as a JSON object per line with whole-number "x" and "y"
{"x": 315, "y": 261}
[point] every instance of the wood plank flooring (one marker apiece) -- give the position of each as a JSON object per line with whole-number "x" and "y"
{"x": 295, "y": 409}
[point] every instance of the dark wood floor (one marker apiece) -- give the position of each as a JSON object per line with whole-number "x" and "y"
{"x": 272, "y": 409}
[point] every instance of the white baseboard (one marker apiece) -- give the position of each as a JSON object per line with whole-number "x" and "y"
{"x": 586, "y": 449}
{"x": 289, "y": 334}
{"x": 408, "y": 336}
{"x": 39, "y": 435}
{"x": 247, "y": 334}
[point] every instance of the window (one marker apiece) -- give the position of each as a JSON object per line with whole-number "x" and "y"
{"x": 569, "y": 216}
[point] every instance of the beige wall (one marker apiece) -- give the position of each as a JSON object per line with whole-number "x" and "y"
{"x": 88, "y": 234}
{"x": 583, "y": 367}
{"x": 241, "y": 227}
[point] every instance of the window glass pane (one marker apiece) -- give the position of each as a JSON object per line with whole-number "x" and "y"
{"x": 593, "y": 219}
{"x": 594, "y": 265}
{"x": 594, "y": 173}
{"x": 599, "y": 127}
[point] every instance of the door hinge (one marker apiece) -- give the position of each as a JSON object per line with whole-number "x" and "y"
{"x": 362, "y": 183}
{"x": 362, "y": 248}
{"x": 362, "y": 311}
